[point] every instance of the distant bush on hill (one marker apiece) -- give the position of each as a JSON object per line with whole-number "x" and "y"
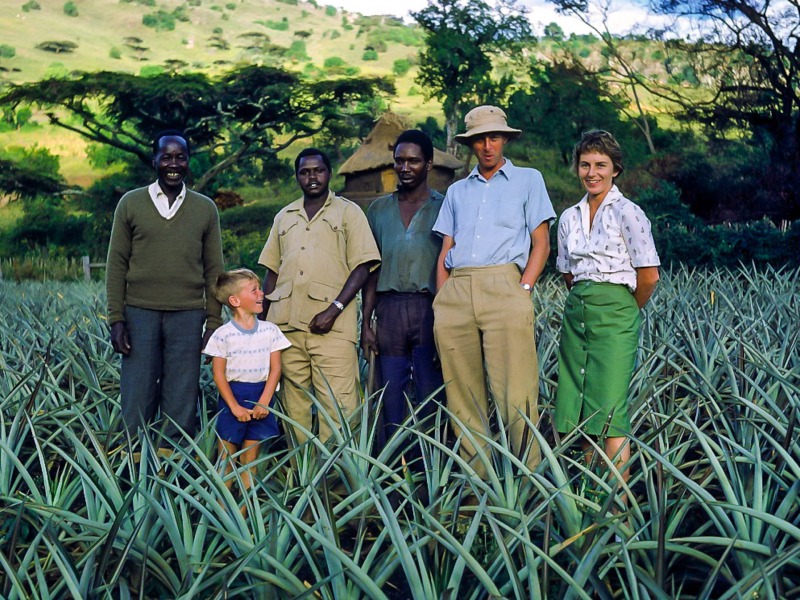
{"x": 70, "y": 9}
{"x": 401, "y": 66}
{"x": 282, "y": 25}
{"x": 32, "y": 5}
{"x": 7, "y": 51}
{"x": 297, "y": 51}
{"x": 160, "y": 20}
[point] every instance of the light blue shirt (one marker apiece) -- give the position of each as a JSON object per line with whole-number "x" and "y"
{"x": 491, "y": 221}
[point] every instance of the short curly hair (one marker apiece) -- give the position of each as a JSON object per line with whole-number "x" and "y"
{"x": 230, "y": 282}
{"x": 601, "y": 142}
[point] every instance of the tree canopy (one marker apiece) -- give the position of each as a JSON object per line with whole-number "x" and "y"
{"x": 235, "y": 118}
{"x": 457, "y": 61}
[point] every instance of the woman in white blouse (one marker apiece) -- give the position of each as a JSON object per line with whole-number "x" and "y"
{"x": 609, "y": 262}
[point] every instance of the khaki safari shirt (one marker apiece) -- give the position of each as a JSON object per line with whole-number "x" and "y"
{"x": 313, "y": 259}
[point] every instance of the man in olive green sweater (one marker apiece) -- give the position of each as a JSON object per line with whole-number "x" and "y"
{"x": 165, "y": 254}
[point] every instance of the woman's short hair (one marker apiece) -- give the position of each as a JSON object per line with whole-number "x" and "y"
{"x": 601, "y": 142}
{"x": 230, "y": 282}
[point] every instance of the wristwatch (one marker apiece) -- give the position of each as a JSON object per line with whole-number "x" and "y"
{"x": 338, "y": 304}
{"x": 526, "y": 287}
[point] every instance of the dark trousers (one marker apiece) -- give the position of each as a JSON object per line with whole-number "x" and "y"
{"x": 407, "y": 357}
{"x": 162, "y": 370}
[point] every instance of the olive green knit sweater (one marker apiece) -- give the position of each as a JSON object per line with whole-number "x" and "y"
{"x": 164, "y": 264}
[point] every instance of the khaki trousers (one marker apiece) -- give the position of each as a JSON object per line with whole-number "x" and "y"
{"x": 326, "y": 367}
{"x": 484, "y": 319}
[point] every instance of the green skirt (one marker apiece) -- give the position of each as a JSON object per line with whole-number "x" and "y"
{"x": 596, "y": 356}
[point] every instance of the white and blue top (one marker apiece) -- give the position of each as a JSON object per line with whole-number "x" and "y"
{"x": 618, "y": 242}
{"x": 247, "y": 352}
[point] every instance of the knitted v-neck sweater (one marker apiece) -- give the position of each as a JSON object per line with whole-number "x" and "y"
{"x": 164, "y": 264}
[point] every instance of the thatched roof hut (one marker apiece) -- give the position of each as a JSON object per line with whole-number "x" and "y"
{"x": 369, "y": 172}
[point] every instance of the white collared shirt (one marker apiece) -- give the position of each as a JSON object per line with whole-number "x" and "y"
{"x": 162, "y": 202}
{"x": 618, "y": 242}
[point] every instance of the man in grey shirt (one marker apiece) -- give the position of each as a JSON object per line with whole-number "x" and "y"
{"x": 401, "y": 291}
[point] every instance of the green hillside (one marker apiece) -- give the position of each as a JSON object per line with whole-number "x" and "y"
{"x": 208, "y": 36}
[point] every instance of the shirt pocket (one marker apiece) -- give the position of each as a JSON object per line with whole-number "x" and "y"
{"x": 320, "y": 297}
{"x": 280, "y": 303}
{"x": 332, "y": 240}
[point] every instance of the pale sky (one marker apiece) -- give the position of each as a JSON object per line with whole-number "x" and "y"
{"x": 624, "y": 14}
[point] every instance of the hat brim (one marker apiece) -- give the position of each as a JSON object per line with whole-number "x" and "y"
{"x": 465, "y": 138}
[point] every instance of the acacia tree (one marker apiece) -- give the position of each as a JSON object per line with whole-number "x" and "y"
{"x": 456, "y": 63}
{"x": 236, "y": 118}
{"x": 752, "y": 48}
{"x": 747, "y": 54}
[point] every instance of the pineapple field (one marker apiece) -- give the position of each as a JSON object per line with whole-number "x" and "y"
{"x": 711, "y": 509}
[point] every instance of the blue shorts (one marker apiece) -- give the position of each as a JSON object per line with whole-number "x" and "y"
{"x": 234, "y": 431}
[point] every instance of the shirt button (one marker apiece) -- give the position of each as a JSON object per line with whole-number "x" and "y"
{"x": 303, "y": 248}
{"x": 583, "y": 324}
{"x": 580, "y": 395}
{"x": 583, "y": 371}
{"x": 301, "y": 272}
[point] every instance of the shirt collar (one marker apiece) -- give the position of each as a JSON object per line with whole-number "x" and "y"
{"x": 159, "y": 192}
{"x": 297, "y": 205}
{"x": 613, "y": 195}
{"x": 505, "y": 169}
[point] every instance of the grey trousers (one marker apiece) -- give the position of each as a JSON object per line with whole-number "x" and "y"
{"x": 162, "y": 371}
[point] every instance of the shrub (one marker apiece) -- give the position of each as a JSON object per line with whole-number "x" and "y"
{"x": 282, "y": 25}
{"x": 70, "y": 9}
{"x": 151, "y": 70}
{"x": 115, "y": 53}
{"x": 160, "y": 20}
{"x": 231, "y": 6}
{"x": 31, "y": 5}
{"x": 369, "y": 54}
{"x": 401, "y": 66}
{"x": 330, "y": 11}
{"x": 333, "y": 62}
{"x": 297, "y": 51}
{"x": 255, "y": 218}
{"x": 335, "y": 34}
{"x": 7, "y": 51}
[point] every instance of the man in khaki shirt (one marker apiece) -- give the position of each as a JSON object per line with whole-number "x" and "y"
{"x": 318, "y": 256}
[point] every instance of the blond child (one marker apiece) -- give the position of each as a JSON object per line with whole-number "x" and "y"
{"x": 246, "y": 363}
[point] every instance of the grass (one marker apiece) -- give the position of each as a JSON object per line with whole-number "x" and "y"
{"x": 711, "y": 509}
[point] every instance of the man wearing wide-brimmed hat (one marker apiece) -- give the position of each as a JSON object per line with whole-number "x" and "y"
{"x": 494, "y": 226}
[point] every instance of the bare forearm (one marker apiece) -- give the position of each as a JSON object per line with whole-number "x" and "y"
{"x": 268, "y": 286}
{"x": 355, "y": 281}
{"x": 540, "y": 250}
{"x": 368, "y": 296}
{"x": 646, "y": 282}
{"x": 442, "y": 272}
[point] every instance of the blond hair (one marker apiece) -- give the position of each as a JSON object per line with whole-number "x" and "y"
{"x": 230, "y": 283}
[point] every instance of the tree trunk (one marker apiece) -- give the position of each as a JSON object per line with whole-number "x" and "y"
{"x": 451, "y": 128}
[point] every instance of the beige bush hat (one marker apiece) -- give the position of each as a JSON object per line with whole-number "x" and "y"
{"x": 486, "y": 119}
